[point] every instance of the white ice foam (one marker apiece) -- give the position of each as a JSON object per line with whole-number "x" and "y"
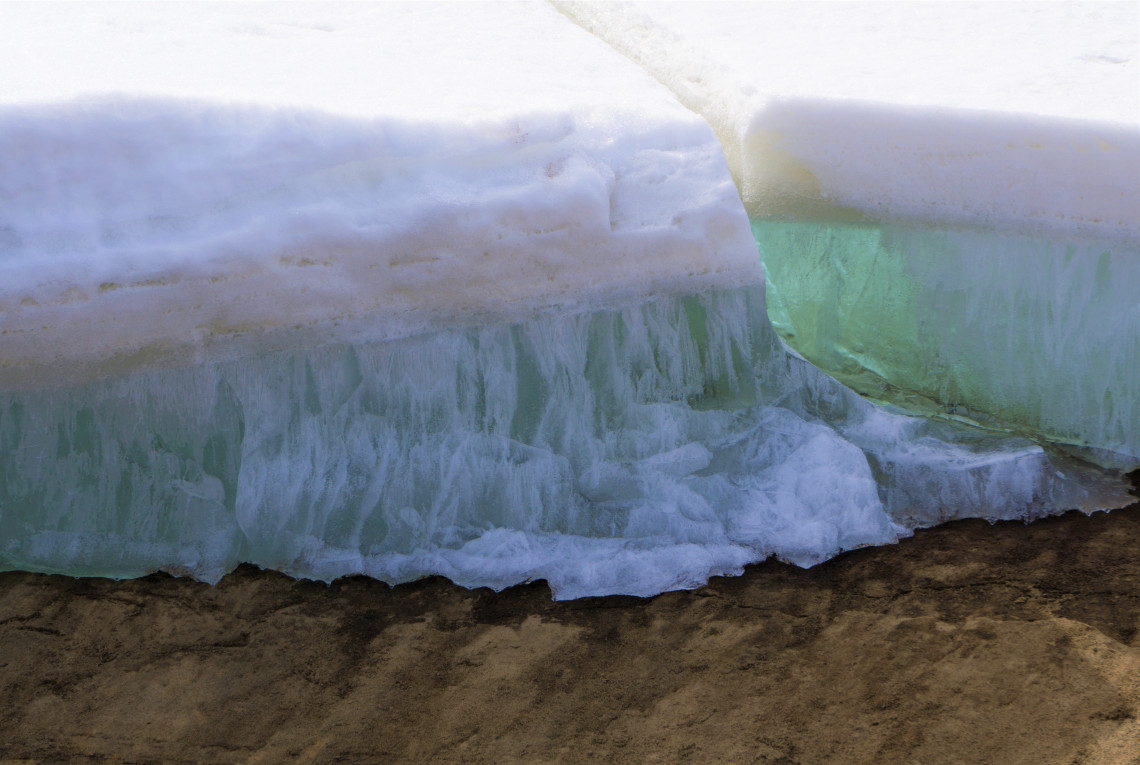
{"x": 1023, "y": 114}
{"x": 189, "y": 181}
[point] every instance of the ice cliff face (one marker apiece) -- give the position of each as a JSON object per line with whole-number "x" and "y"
{"x": 627, "y": 451}
{"x": 411, "y": 290}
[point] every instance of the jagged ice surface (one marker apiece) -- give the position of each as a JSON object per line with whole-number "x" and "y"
{"x": 629, "y": 451}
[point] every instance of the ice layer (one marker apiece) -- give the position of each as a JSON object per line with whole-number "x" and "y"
{"x": 412, "y": 290}
{"x": 616, "y": 451}
{"x": 965, "y": 180}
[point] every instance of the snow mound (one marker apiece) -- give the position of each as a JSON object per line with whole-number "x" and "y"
{"x": 1018, "y": 115}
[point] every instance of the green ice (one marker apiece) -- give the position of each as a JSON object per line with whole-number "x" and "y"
{"x": 1037, "y": 334}
{"x": 627, "y": 450}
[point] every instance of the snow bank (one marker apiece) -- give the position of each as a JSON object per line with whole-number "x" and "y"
{"x": 187, "y": 181}
{"x": 1023, "y": 115}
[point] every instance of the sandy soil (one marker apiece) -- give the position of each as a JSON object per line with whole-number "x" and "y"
{"x": 966, "y": 644}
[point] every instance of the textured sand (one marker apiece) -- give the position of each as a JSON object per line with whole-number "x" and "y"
{"x": 969, "y": 643}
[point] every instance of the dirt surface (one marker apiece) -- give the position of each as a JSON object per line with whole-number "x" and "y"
{"x": 969, "y": 643}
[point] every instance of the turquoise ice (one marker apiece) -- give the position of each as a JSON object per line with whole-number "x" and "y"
{"x": 617, "y": 451}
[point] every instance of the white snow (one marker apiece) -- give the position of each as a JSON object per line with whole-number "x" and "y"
{"x": 191, "y": 181}
{"x": 1012, "y": 114}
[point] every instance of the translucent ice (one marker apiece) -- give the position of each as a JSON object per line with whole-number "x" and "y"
{"x": 1000, "y": 327}
{"x": 626, "y": 451}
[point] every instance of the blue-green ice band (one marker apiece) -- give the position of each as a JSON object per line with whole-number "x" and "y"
{"x": 1036, "y": 334}
{"x": 627, "y": 451}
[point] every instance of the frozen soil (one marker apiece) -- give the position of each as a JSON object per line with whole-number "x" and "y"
{"x": 968, "y": 643}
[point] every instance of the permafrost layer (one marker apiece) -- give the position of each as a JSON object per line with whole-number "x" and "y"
{"x": 627, "y": 451}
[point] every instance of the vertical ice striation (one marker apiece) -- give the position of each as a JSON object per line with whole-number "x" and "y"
{"x": 1038, "y": 332}
{"x": 628, "y": 451}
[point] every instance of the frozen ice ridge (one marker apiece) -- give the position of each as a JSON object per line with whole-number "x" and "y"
{"x": 331, "y": 289}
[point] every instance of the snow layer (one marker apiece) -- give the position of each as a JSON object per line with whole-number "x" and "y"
{"x": 193, "y": 181}
{"x": 1018, "y": 114}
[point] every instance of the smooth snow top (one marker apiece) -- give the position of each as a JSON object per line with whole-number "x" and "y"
{"x": 185, "y": 181}
{"x": 433, "y": 61}
{"x": 1022, "y": 113}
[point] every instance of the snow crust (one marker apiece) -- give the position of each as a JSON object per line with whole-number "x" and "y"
{"x": 183, "y": 182}
{"x": 1019, "y": 114}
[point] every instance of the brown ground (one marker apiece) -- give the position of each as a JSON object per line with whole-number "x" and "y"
{"x": 966, "y": 644}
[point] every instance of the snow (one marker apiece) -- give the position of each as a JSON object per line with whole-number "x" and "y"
{"x": 1021, "y": 115}
{"x": 195, "y": 181}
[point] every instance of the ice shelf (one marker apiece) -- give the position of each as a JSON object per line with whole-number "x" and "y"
{"x": 981, "y": 159}
{"x": 416, "y": 289}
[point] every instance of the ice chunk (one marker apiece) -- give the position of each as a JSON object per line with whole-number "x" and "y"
{"x": 331, "y": 290}
{"x": 946, "y": 195}
{"x": 626, "y": 451}
{"x": 185, "y": 182}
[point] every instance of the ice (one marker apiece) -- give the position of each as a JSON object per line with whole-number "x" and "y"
{"x": 616, "y": 451}
{"x": 421, "y": 289}
{"x": 946, "y": 195}
{"x": 995, "y": 326}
